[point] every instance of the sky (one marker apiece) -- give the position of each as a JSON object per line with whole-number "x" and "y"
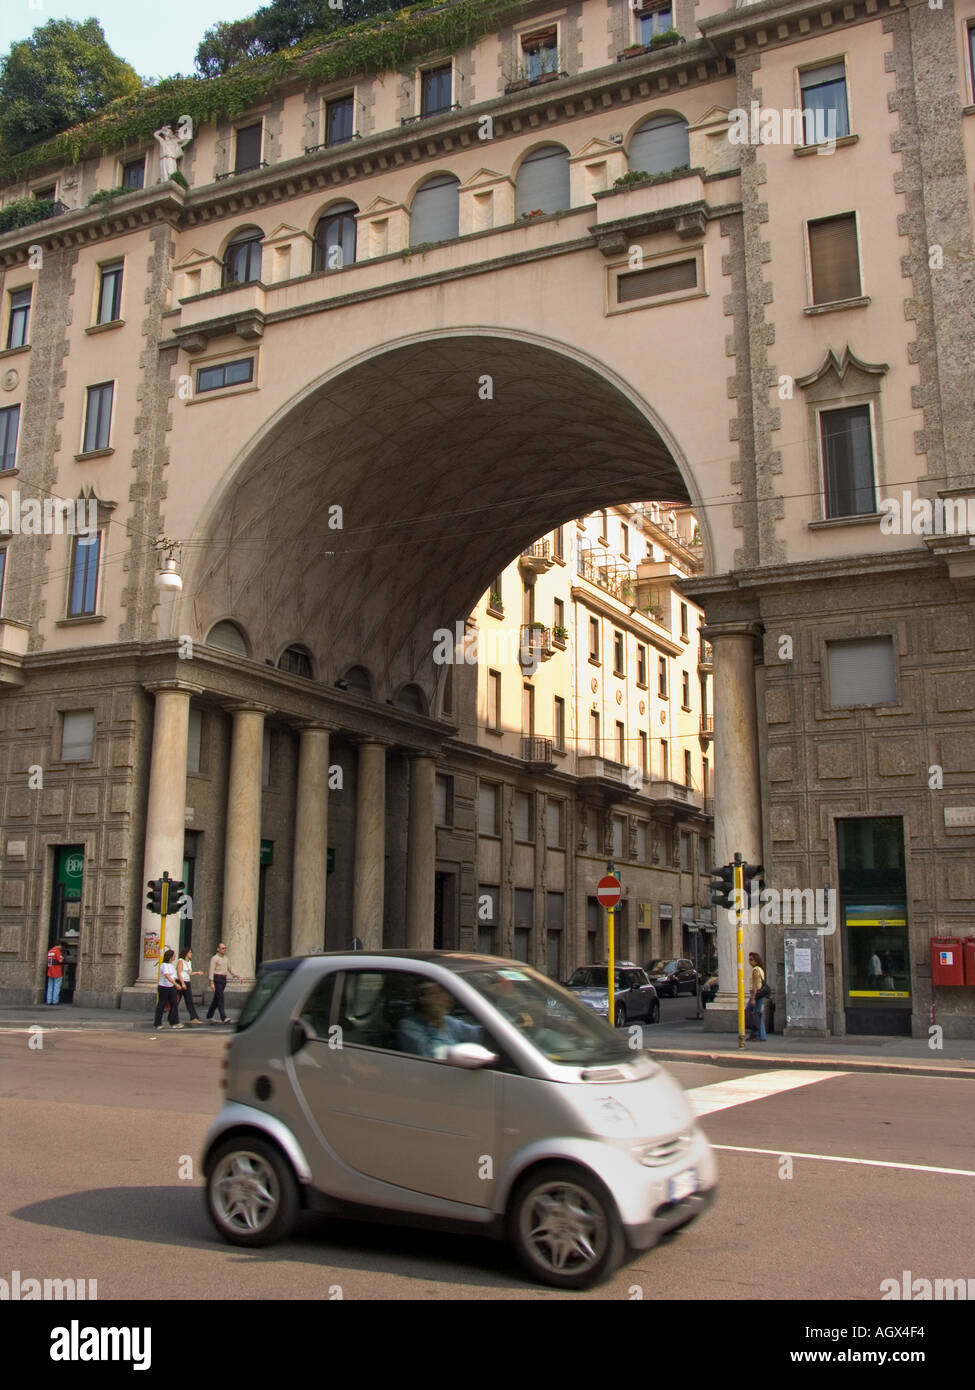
{"x": 158, "y": 37}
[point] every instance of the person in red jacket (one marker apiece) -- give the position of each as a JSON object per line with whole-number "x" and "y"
{"x": 55, "y": 973}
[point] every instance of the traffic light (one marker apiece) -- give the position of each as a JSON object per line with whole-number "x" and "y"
{"x": 722, "y": 886}
{"x": 753, "y": 880}
{"x": 154, "y": 896}
{"x": 177, "y": 896}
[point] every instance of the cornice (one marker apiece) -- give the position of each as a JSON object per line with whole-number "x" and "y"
{"x": 749, "y": 29}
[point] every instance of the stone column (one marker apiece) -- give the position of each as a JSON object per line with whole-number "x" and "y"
{"x": 737, "y": 800}
{"x": 311, "y": 843}
{"x": 370, "y": 846}
{"x": 166, "y": 813}
{"x": 421, "y": 855}
{"x": 242, "y": 852}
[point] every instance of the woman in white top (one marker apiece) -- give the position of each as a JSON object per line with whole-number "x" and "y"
{"x": 185, "y": 973}
{"x": 168, "y": 994}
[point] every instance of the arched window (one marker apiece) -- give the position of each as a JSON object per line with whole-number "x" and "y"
{"x": 228, "y": 636}
{"x": 543, "y": 181}
{"x": 660, "y": 144}
{"x": 335, "y": 238}
{"x": 411, "y": 697}
{"x": 358, "y": 681}
{"x": 296, "y": 661}
{"x": 242, "y": 258}
{"x": 435, "y": 214}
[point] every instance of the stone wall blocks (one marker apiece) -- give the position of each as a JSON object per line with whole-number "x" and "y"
{"x": 910, "y": 309}
{"x": 769, "y": 334}
{"x": 728, "y": 306}
{"x": 768, "y": 293}
{"x": 730, "y": 345}
{"x": 784, "y": 821}
{"x": 732, "y": 388}
{"x": 734, "y": 433}
{"x": 920, "y": 442}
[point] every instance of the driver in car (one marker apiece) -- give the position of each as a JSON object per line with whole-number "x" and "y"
{"x": 430, "y": 1029}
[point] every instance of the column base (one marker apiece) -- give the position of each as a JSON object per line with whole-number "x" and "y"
{"x": 816, "y": 1034}
{"x": 721, "y": 1015}
{"x": 140, "y": 997}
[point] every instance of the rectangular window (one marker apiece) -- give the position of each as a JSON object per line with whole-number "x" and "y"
{"x": 19, "y": 323}
{"x": 558, "y": 543}
{"x": 558, "y": 613}
{"x": 641, "y": 665}
{"x": 685, "y": 854}
{"x": 555, "y": 823}
{"x": 971, "y": 55}
{"x": 847, "y": 445}
{"x": 524, "y": 921}
{"x": 488, "y": 809}
{"x": 134, "y": 172}
{"x": 110, "y": 293}
{"x": 625, "y": 539}
{"x": 194, "y": 739}
{"x": 98, "y": 416}
{"x": 620, "y": 742}
{"x": 77, "y": 735}
{"x": 655, "y": 22}
{"x": 706, "y": 778}
{"x": 594, "y": 733}
{"x": 226, "y": 374}
{"x": 494, "y": 700}
{"x": 559, "y": 730}
{"x": 541, "y": 52}
{"x": 825, "y": 110}
{"x": 861, "y": 672}
{"x": 593, "y": 639}
{"x": 528, "y": 710}
{"x": 3, "y": 574}
{"x": 443, "y": 801}
{"x": 488, "y": 896}
{"x": 524, "y": 817}
{"x": 619, "y": 654}
{"x": 685, "y": 690}
{"x": 47, "y": 194}
{"x": 662, "y": 677}
{"x": 9, "y": 430}
{"x": 436, "y": 90}
{"x": 619, "y": 828}
{"x": 683, "y": 620}
{"x": 834, "y": 263}
{"x": 339, "y": 120}
{"x": 84, "y": 576}
{"x": 658, "y": 279}
{"x": 247, "y": 154}
{"x": 641, "y": 841}
{"x": 644, "y": 753}
{"x": 688, "y": 770}
{"x": 664, "y": 760}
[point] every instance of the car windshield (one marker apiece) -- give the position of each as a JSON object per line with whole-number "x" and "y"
{"x": 550, "y": 1018}
{"x": 594, "y": 977}
{"x": 661, "y": 967}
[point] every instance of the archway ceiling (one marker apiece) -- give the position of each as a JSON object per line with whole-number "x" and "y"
{"x": 439, "y": 490}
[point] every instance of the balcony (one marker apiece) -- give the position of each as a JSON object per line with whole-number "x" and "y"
{"x": 537, "y": 751}
{"x": 707, "y": 726}
{"x": 676, "y": 794}
{"x": 705, "y": 655}
{"x": 605, "y": 779}
{"x": 536, "y": 558}
{"x": 536, "y": 644}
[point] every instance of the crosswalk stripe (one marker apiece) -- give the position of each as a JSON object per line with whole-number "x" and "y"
{"x": 835, "y": 1158}
{"x": 705, "y": 1100}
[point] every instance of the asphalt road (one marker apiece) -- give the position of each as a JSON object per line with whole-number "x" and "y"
{"x": 99, "y": 1129}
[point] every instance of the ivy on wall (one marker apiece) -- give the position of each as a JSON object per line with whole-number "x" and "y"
{"x": 368, "y": 47}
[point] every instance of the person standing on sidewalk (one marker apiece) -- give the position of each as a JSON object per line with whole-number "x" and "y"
{"x": 755, "y": 999}
{"x": 218, "y": 972}
{"x": 55, "y": 974}
{"x": 168, "y": 994}
{"x": 185, "y": 973}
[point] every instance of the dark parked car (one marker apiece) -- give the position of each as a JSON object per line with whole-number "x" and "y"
{"x": 673, "y": 977}
{"x": 635, "y": 997}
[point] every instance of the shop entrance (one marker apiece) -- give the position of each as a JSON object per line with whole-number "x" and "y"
{"x": 873, "y": 913}
{"x": 65, "y": 924}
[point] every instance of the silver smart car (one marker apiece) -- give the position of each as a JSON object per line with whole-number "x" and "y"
{"x": 459, "y": 1091}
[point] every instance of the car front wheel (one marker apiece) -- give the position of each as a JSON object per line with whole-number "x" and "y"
{"x": 251, "y": 1192}
{"x": 565, "y": 1228}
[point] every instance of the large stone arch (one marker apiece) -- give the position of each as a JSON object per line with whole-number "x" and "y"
{"x": 448, "y": 453}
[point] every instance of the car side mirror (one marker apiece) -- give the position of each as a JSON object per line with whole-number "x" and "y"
{"x": 300, "y": 1034}
{"x": 470, "y": 1056}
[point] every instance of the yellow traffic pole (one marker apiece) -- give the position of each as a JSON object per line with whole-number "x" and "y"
{"x": 739, "y": 934}
{"x": 611, "y": 977}
{"x": 164, "y": 904}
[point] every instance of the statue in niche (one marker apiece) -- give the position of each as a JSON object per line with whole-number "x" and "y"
{"x": 171, "y": 145}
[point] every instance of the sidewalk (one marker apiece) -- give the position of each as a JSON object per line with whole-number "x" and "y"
{"x": 686, "y": 1041}
{"x": 65, "y": 1017}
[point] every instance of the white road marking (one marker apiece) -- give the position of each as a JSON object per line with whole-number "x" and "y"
{"x": 865, "y": 1162}
{"x": 705, "y": 1100}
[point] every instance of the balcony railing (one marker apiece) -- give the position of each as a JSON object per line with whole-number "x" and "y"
{"x": 590, "y": 766}
{"x": 665, "y": 790}
{"x": 536, "y": 558}
{"x": 705, "y": 656}
{"x": 536, "y": 644}
{"x": 707, "y": 725}
{"x": 536, "y": 750}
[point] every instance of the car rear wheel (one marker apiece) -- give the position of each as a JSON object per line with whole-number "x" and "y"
{"x": 565, "y": 1228}
{"x": 251, "y": 1192}
{"x": 654, "y": 1015}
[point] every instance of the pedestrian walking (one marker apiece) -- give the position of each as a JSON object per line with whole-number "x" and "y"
{"x": 184, "y": 974}
{"x": 218, "y": 972}
{"x": 167, "y": 991}
{"x": 55, "y": 974}
{"x": 756, "y": 999}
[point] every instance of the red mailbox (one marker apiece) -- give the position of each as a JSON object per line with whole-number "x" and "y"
{"x": 970, "y": 960}
{"x": 947, "y": 961}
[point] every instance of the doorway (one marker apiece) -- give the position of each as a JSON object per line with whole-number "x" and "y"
{"x": 874, "y": 925}
{"x": 65, "y": 924}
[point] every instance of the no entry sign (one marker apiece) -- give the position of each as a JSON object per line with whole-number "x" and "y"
{"x": 609, "y": 891}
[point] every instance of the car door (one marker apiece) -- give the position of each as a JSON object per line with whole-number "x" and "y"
{"x": 644, "y": 994}
{"x": 393, "y": 1115}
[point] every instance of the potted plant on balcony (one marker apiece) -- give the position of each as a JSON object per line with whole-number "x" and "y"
{"x": 494, "y": 602}
{"x": 633, "y": 50}
{"x": 560, "y": 634}
{"x": 665, "y": 39}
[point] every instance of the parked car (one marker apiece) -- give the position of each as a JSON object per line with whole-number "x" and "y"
{"x": 373, "y": 1084}
{"x": 635, "y": 997}
{"x": 673, "y": 977}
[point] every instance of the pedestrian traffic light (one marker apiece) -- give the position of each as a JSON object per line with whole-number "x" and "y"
{"x": 722, "y": 886}
{"x": 154, "y": 896}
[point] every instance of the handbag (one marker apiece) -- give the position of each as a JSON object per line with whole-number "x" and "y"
{"x": 766, "y": 991}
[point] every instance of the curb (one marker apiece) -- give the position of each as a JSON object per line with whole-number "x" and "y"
{"x": 97, "y": 1026}
{"x": 761, "y": 1061}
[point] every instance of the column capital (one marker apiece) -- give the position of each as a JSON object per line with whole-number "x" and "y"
{"x": 413, "y": 753}
{"x": 248, "y": 707}
{"x": 368, "y": 741}
{"x": 312, "y": 726}
{"x": 180, "y": 687}
{"x": 711, "y": 631}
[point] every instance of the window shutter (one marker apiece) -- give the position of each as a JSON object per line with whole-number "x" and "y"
{"x": 661, "y": 144}
{"x": 435, "y": 214}
{"x": 543, "y": 181}
{"x": 248, "y": 154}
{"x": 662, "y": 279}
{"x": 833, "y": 259}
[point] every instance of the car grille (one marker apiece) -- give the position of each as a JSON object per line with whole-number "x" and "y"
{"x": 657, "y": 1155}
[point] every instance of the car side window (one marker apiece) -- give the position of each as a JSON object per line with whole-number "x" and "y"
{"x": 317, "y": 1011}
{"x": 424, "y": 1018}
{"x": 360, "y": 1014}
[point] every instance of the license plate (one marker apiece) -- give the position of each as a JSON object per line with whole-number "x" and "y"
{"x": 684, "y": 1185}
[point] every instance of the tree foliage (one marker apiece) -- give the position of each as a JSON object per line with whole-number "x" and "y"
{"x": 281, "y": 25}
{"x": 62, "y": 75}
